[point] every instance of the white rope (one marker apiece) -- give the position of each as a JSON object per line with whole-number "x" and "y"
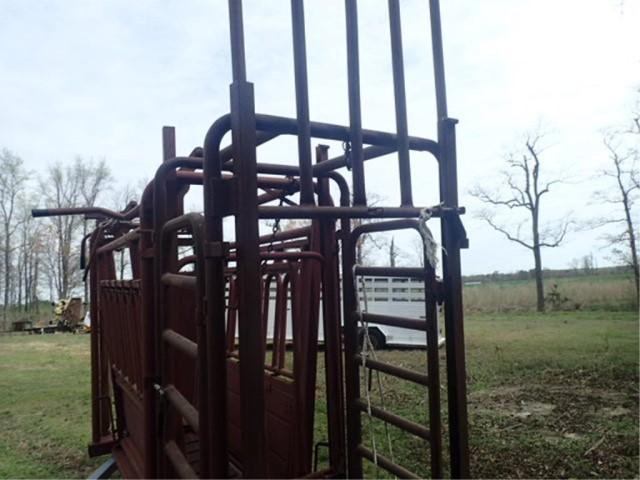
{"x": 364, "y": 356}
{"x": 430, "y": 244}
{"x": 366, "y": 345}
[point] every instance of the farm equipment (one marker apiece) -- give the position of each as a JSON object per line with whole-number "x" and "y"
{"x": 183, "y": 381}
{"x": 69, "y": 314}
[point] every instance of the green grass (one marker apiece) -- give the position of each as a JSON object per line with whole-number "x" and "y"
{"x": 44, "y": 406}
{"x": 543, "y": 389}
{"x": 552, "y": 395}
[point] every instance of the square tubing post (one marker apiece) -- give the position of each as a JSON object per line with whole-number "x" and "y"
{"x": 451, "y": 268}
{"x": 331, "y": 318}
{"x": 148, "y": 337}
{"x": 453, "y": 312}
{"x": 243, "y": 137}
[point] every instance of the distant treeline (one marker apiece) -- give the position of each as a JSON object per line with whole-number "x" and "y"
{"x": 548, "y": 273}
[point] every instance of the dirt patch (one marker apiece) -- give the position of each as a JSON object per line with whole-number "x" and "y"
{"x": 570, "y": 426}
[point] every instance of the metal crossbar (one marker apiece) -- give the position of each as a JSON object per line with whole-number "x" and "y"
{"x": 181, "y": 349}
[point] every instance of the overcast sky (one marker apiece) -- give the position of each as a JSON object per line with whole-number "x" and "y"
{"x": 100, "y": 78}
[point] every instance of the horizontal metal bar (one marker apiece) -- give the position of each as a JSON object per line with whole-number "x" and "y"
{"x": 300, "y": 232}
{"x": 324, "y": 473}
{"x": 393, "y": 321}
{"x": 105, "y": 470}
{"x": 179, "y": 280}
{"x": 180, "y": 342}
{"x": 291, "y": 256}
{"x": 292, "y": 244}
{"x": 195, "y": 178}
{"x": 119, "y": 242}
{"x": 189, "y": 176}
{"x": 396, "y": 420}
{"x": 284, "y": 125}
{"x": 385, "y": 463}
{"x": 336, "y": 212}
{"x": 90, "y": 212}
{"x": 191, "y": 220}
{"x": 278, "y": 254}
{"x": 279, "y": 371}
{"x": 406, "y": 272}
{"x": 393, "y": 370}
{"x": 179, "y": 461}
{"x": 368, "y": 153}
{"x": 186, "y": 409}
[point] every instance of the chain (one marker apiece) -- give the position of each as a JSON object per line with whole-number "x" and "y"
{"x": 346, "y": 148}
{"x": 276, "y": 227}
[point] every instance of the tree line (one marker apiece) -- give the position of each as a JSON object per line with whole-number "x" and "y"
{"x": 38, "y": 256}
{"x": 42, "y": 257}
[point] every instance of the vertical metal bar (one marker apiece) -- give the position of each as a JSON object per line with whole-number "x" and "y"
{"x": 148, "y": 337}
{"x": 306, "y": 296}
{"x": 95, "y": 342}
{"x": 106, "y": 271}
{"x": 168, "y": 143}
{"x": 355, "y": 114}
{"x": 454, "y": 321}
{"x": 438, "y": 58}
{"x": 352, "y": 373}
{"x": 302, "y": 102}
{"x": 400, "y": 98}
{"x": 159, "y": 218}
{"x": 236, "y": 31}
{"x": 280, "y": 322}
{"x": 331, "y": 324}
{"x": 433, "y": 370}
{"x": 243, "y": 136}
{"x": 214, "y": 199}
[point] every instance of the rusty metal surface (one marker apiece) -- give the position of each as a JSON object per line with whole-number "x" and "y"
{"x": 190, "y": 377}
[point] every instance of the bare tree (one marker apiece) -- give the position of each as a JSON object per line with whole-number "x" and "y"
{"x": 94, "y": 178}
{"x": 368, "y": 244}
{"x": 417, "y": 252}
{"x": 122, "y": 199}
{"x": 393, "y": 253}
{"x": 525, "y": 191}
{"x": 624, "y": 174}
{"x": 397, "y": 255}
{"x": 31, "y": 249}
{"x": 79, "y": 184}
{"x": 12, "y": 180}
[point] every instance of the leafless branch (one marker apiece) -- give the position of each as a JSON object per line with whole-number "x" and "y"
{"x": 506, "y": 233}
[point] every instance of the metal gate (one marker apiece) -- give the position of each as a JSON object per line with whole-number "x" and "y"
{"x": 188, "y": 380}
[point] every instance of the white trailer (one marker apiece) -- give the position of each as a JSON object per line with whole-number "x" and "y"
{"x": 397, "y": 296}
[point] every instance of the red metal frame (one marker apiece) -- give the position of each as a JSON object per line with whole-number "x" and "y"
{"x": 176, "y": 392}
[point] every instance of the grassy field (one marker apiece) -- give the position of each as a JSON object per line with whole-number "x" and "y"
{"x": 552, "y": 395}
{"x": 582, "y": 292}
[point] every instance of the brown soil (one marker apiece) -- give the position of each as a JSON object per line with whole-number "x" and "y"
{"x": 578, "y": 425}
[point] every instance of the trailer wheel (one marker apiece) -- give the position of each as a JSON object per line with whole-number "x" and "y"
{"x": 378, "y": 340}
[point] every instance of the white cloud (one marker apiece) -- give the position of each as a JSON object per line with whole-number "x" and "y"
{"x": 100, "y": 78}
